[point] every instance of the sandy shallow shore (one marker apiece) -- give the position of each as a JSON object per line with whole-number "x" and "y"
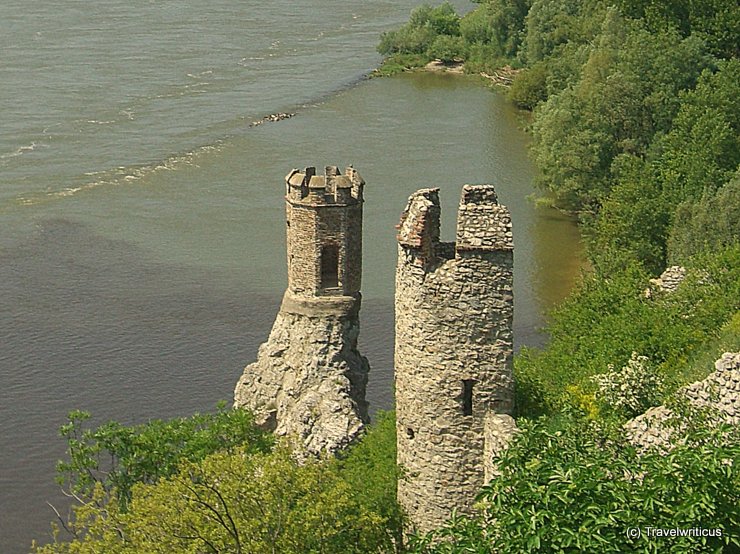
{"x": 502, "y": 76}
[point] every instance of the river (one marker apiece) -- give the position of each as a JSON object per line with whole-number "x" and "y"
{"x": 141, "y": 215}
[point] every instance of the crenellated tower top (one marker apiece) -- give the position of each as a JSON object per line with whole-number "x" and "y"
{"x": 333, "y": 187}
{"x": 324, "y": 239}
{"x": 483, "y": 226}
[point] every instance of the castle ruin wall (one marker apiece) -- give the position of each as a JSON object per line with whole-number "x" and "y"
{"x": 454, "y": 346}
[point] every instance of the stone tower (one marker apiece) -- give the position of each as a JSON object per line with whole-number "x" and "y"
{"x": 309, "y": 379}
{"x": 453, "y": 354}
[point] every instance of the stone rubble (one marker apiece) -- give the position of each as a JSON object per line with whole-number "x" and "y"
{"x": 720, "y": 391}
{"x": 271, "y": 118}
{"x": 669, "y": 280}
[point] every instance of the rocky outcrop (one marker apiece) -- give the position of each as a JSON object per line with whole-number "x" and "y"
{"x": 720, "y": 392}
{"x": 309, "y": 382}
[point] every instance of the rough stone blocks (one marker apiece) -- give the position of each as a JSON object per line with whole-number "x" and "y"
{"x": 453, "y": 354}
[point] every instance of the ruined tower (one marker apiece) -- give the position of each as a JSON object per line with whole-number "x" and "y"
{"x": 453, "y": 354}
{"x": 309, "y": 379}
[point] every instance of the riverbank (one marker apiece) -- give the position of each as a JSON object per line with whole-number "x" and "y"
{"x": 503, "y": 76}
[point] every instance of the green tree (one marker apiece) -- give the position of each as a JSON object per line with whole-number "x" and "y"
{"x": 709, "y": 224}
{"x": 717, "y": 22}
{"x": 239, "y": 502}
{"x": 498, "y": 24}
{"x": 613, "y": 109}
{"x": 447, "y": 48}
{"x": 191, "y": 486}
{"x": 425, "y": 25}
{"x": 529, "y": 87}
{"x": 702, "y": 150}
{"x": 117, "y": 457}
{"x": 369, "y": 468}
{"x": 633, "y": 222}
{"x": 552, "y": 23}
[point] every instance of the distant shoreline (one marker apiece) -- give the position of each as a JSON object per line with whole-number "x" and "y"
{"x": 503, "y": 76}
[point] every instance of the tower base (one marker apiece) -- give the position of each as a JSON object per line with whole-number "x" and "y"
{"x": 309, "y": 379}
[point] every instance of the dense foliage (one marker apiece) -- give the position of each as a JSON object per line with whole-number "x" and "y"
{"x": 608, "y": 318}
{"x": 228, "y": 497}
{"x": 574, "y": 487}
{"x": 116, "y": 456}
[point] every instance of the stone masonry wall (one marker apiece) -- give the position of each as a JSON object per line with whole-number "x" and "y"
{"x": 454, "y": 310}
{"x": 308, "y": 230}
{"x": 320, "y": 211}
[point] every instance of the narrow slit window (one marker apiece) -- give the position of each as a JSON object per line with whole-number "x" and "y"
{"x": 467, "y": 397}
{"x": 329, "y": 266}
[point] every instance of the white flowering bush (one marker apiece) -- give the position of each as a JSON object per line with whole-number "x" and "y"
{"x": 632, "y": 389}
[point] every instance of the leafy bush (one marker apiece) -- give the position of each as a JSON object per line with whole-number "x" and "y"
{"x": 608, "y": 318}
{"x": 425, "y": 25}
{"x": 578, "y": 487}
{"x": 700, "y": 362}
{"x": 369, "y": 469}
{"x": 631, "y": 390}
{"x": 249, "y": 502}
{"x": 407, "y": 41}
{"x": 447, "y": 48}
{"x": 398, "y": 63}
{"x": 117, "y": 457}
{"x": 529, "y": 87}
{"x": 709, "y": 224}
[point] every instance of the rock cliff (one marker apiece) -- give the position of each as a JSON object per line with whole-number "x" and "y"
{"x": 309, "y": 381}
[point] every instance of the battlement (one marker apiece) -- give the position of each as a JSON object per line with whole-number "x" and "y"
{"x": 332, "y": 188}
{"x": 483, "y": 225}
{"x": 323, "y": 216}
{"x": 419, "y": 225}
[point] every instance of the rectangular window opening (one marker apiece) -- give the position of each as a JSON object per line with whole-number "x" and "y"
{"x": 467, "y": 397}
{"x": 329, "y": 266}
